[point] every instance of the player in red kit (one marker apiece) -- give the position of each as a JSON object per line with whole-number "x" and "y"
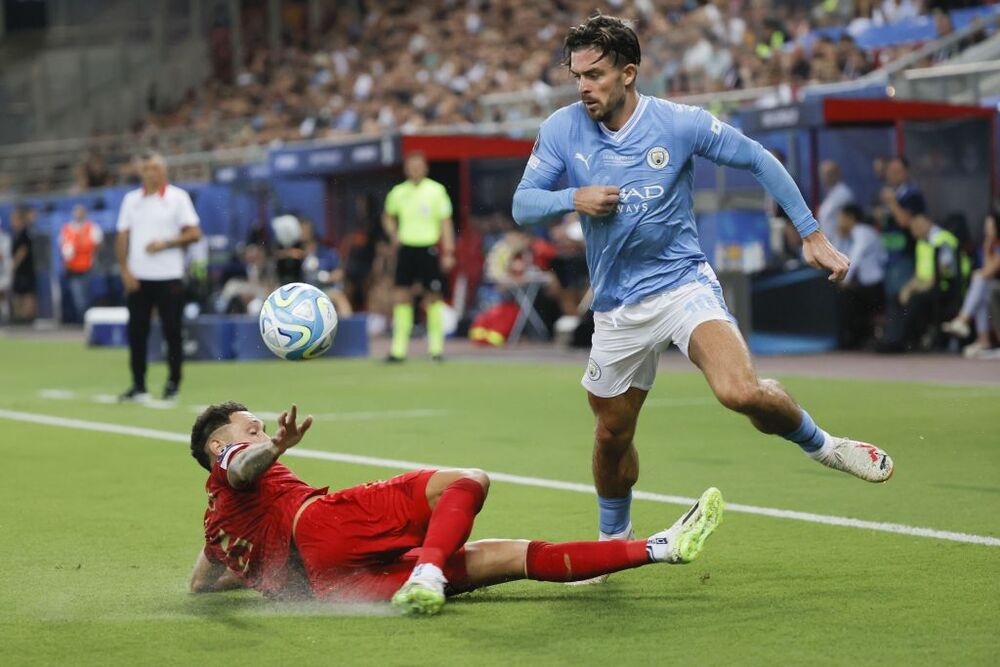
{"x": 403, "y": 539}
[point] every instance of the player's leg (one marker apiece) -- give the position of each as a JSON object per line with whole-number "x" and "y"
{"x": 718, "y": 349}
{"x": 433, "y": 282}
{"x": 140, "y": 312}
{"x": 615, "y": 459}
{"x": 489, "y": 562}
{"x": 170, "y": 307}
{"x": 454, "y": 498}
{"x": 402, "y": 310}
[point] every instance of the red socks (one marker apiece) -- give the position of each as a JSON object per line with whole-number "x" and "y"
{"x": 575, "y": 561}
{"x": 451, "y": 521}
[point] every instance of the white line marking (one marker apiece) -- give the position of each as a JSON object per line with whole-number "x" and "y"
{"x": 157, "y": 404}
{"x": 154, "y": 434}
{"x": 57, "y": 394}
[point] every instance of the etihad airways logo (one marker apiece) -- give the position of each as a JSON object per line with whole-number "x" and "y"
{"x": 636, "y": 199}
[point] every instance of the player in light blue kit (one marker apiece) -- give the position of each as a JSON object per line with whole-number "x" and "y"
{"x": 629, "y": 163}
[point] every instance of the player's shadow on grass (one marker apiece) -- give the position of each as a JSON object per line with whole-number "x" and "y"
{"x": 606, "y": 598}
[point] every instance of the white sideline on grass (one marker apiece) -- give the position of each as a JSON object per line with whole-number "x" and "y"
{"x": 154, "y": 434}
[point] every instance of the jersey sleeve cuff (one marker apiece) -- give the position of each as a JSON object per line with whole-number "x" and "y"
{"x": 569, "y": 193}
{"x": 806, "y": 227}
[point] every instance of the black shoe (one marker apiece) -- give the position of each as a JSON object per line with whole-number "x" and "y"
{"x": 170, "y": 391}
{"x": 438, "y": 358}
{"x": 394, "y": 360}
{"x": 134, "y": 394}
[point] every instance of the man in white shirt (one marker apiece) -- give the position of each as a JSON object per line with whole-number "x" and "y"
{"x": 156, "y": 222}
{"x": 861, "y": 294}
{"x": 838, "y": 195}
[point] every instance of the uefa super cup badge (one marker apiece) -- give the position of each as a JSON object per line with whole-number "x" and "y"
{"x": 593, "y": 371}
{"x": 657, "y": 157}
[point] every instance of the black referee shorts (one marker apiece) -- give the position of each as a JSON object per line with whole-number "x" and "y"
{"x": 419, "y": 265}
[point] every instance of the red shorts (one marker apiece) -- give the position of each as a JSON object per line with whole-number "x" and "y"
{"x": 361, "y": 543}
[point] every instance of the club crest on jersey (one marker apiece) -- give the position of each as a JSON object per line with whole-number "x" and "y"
{"x": 657, "y": 157}
{"x": 593, "y": 371}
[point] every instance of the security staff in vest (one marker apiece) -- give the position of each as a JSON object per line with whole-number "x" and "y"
{"x": 940, "y": 269}
{"x": 417, "y": 219}
{"x": 156, "y": 222}
{"x": 79, "y": 241}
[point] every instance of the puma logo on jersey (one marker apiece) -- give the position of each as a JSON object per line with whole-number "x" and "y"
{"x": 584, "y": 160}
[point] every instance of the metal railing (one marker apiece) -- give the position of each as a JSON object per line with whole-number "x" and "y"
{"x": 967, "y": 83}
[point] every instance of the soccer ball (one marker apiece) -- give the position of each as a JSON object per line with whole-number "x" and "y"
{"x": 298, "y": 322}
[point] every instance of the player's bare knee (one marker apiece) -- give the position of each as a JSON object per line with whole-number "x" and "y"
{"x": 739, "y": 397}
{"x": 614, "y": 434}
{"x": 480, "y": 477}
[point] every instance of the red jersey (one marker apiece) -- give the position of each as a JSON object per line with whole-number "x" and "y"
{"x": 250, "y": 530}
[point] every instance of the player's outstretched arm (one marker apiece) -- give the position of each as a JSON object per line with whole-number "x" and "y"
{"x": 248, "y": 465}
{"x": 210, "y": 577}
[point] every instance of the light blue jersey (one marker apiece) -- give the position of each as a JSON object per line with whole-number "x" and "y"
{"x": 650, "y": 245}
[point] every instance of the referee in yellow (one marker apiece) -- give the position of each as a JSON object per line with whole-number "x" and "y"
{"x": 417, "y": 219}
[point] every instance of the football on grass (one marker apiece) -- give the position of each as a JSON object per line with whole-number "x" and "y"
{"x": 298, "y": 321}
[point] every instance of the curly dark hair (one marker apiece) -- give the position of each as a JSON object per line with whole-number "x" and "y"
{"x": 212, "y": 418}
{"x": 607, "y": 34}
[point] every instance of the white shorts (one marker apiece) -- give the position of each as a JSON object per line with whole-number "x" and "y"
{"x": 627, "y": 341}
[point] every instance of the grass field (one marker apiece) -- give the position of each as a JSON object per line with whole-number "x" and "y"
{"x": 98, "y": 530}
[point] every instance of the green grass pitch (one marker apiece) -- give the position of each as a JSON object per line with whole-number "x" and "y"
{"x": 98, "y": 531}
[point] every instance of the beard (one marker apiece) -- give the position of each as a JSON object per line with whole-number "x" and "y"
{"x": 603, "y": 112}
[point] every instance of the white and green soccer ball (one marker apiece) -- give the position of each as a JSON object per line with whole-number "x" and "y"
{"x": 298, "y": 321}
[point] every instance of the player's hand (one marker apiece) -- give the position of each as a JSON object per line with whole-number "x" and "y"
{"x": 887, "y": 195}
{"x": 156, "y": 246}
{"x": 129, "y": 281}
{"x": 596, "y": 200}
{"x": 447, "y": 262}
{"x": 820, "y": 253}
{"x": 289, "y": 433}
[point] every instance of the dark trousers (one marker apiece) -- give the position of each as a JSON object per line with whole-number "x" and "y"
{"x": 168, "y": 298}
{"x": 857, "y": 306}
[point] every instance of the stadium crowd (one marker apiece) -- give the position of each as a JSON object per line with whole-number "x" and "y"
{"x": 396, "y": 65}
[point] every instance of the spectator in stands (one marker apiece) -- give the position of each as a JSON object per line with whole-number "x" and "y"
{"x": 155, "y": 224}
{"x": 914, "y": 317}
{"x": 79, "y": 241}
{"x": 975, "y": 307}
{"x": 98, "y": 175}
{"x": 289, "y": 250}
{"x": 570, "y": 263}
{"x": 321, "y": 267}
{"x": 246, "y": 281}
{"x": 861, "y": 293}
{"x": 517, "y": 266}
{"x": 902, "y": 200}
{"x": 6, "y": 271}
{"x": 838, "y": 195}
{"x": 24, "y": 281}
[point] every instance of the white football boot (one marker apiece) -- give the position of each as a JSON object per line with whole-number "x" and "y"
{"x": 860, "y": 459}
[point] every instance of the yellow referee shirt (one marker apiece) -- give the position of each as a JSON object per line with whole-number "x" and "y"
{"x": 419, "y": 210}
